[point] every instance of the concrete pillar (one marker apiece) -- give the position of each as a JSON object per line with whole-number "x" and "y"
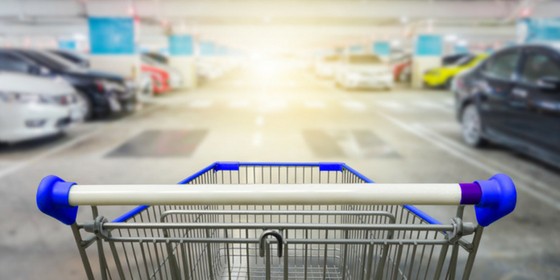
{"x": 113, "y": 46}
{"x": 428, "y": 50}
{"x": 181, "y": 57}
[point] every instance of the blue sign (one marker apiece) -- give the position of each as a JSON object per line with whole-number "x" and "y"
{"x": 382, "y": 48}
{"x": 111, "y": 35}
{"x": 181, "y": 45}
{"x": 207, "y": 48}
{"x": 67, "y": 45}
{"x": 429, "y": 45}
{"x": 542, "y": 29}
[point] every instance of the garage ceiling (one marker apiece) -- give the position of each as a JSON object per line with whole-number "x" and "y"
{"x": 280, "y": 23}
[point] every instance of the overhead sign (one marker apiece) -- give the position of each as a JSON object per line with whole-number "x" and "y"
{"x": 181, "y": 45}
{"x": 429, "y": 45}
{"x": 207, "y": 48}
{"x": 382, "y": 48}
{"x": 111, "y": 35}
{"x": 67, "y": 44}
{"x": 538, "y": 29}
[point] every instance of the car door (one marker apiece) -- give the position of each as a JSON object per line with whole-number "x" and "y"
{"x": 535, "y": 106}
{"x": 498, "y": 75}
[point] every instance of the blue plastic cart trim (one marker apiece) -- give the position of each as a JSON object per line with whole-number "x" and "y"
{"x": 226, "y": 166}
{"x": 331, "y": 166}
{"x": 52, "y": 199}
{"x": 498, "y": 199}
{"x": 423, "y": 215}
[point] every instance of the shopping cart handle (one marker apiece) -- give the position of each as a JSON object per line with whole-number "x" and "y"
{"x": 493, "y": 198}
{"x": 498, "y": 199}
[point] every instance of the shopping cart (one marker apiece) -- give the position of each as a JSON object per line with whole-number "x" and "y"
{"x": 277, "y": 221}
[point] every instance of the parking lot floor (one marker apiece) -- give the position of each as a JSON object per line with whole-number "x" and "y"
{"x": 403, "y": 135}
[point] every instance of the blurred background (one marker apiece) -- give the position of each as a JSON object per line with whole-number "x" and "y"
{"x": 151, "y": 91}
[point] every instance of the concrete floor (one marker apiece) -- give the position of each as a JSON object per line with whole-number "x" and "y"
{"x": 399, "y": 136}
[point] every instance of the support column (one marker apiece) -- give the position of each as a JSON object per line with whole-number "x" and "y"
{"x": 113, "y": 46}
{"x": 181, "y": 57}
{"x": 428, "y": 50}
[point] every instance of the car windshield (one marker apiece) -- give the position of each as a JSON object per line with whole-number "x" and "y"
{"x": 364, "y": 59}
{"x": 50, "y": 60}
{"x": 465, "y": 60}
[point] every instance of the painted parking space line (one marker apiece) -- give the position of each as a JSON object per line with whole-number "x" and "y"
{"x": 201, "y": 103}
{"x": 238, "y": 104}
{"x": 392, "y": 105}
{"x": 314, "y": 104}
{"x": 429, "y": 105}
{"x": 468, "y": 158}
{"x": 66, "y": 145}
{"x": 354, "y": 105}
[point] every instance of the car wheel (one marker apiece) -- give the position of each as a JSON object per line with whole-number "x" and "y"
{"x": 471, "y": 126}
{"x": 84, "y": 105}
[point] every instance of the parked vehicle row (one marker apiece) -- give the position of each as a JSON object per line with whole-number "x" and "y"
{"x": 441, "y": 77}
{"x": 513, "y": 98}
{"x": 355, "y": 71}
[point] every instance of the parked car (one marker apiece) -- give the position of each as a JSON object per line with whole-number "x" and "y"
{"x": 103, "y": 93}
{"x": 160, "y": 58}
{"x": 442, "y": 77}
{"x": 175, "y": 76}
{"x": 73, "y": 57}
{"x": 513, "y": 98}
{"x": 160, "y": 78}
{"x": 364, "y": 71}
{"x": 453, "y": 58}
{"x": 325, "y": 66}
{"x": 34, "y": 107}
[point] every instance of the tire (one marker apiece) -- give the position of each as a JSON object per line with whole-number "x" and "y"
{"x": 471, "y": 126}
{"x": 85, "y": 106}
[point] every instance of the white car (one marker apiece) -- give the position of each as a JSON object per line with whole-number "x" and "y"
{"x": 33, "y": 107}
{"x": 364, "y": 71}
{"x": 325, "y": 67}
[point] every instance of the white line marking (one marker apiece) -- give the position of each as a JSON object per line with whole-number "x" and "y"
{"x": 47, "y": 153}
{"x": 239, "y": 104}
{"x": 392, "y": 105}
{"x": 314, "y": 104}
{"x": 201, "y": 103}
{"x": 475, "y": 163}
{"x": 354, "y": 105}
{"x": 64, "y": 146}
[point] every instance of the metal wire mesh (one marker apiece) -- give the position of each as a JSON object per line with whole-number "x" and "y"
{"x": 319, "y": 241}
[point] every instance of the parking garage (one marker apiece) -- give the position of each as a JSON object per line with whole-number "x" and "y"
{"x": 411, "y": 95}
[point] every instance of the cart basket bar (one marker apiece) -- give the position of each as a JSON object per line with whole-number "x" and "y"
{"x": 493, "y": 198}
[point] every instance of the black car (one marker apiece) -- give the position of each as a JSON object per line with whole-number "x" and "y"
{"x": 102, "y": 94}
{"x": 73, "y": 57}
{"x": 513, "y": 98}
{"x": 453, "y": 58}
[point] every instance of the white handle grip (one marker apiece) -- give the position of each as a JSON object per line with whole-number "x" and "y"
{"x": 276, "y": 194}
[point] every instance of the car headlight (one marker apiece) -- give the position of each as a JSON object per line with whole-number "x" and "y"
{"x": 107, "y": 86}
{"x": 24, "y": 98}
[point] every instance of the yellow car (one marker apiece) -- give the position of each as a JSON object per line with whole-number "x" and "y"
{"x": 442, "y": 76}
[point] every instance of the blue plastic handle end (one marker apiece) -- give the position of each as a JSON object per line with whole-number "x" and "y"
{"x": 52, "y": 199}
{"x": 498, "y": 199}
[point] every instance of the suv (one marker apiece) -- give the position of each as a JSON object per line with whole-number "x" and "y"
{"x": 513, "y": 98}
{"x": 103, "y": 93}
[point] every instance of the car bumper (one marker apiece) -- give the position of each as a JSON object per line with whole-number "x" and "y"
{"x": 383, "y": 81}
{"x": 434, "y": 80}
{"x": 31, "y": 121}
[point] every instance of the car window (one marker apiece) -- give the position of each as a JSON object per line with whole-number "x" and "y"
{"x": 501, "y": 66}
{"x": 364, "y": 59}
{"x": 538, "y": 65}
{"x": 12, "y": 64}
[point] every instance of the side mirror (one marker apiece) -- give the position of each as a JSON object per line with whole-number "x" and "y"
{"x": 548, "y": 83}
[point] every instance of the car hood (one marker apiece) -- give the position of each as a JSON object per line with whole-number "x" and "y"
{"x": 22, "y": 83}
